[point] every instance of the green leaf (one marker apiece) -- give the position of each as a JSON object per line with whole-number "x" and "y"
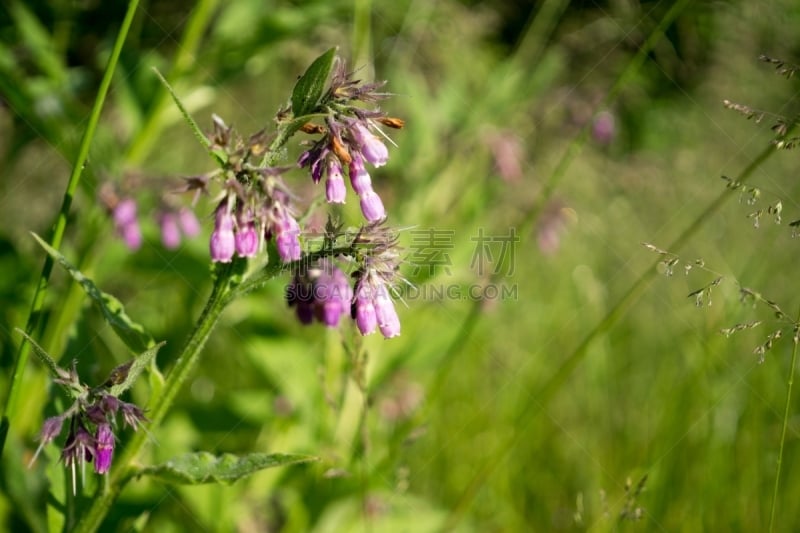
{"x": 131, "y": 333}
{"x": 311, "y": 86}
{"x": 124, "y": 376}
{"x": 45, "y": 358}
{"x": 204, "y": 467}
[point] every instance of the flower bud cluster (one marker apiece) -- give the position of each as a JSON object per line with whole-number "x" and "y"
{"x": 253, "y": 206}
{"x": 322, "y": 291}
{"x": 91, "y": 420}
{"x": 123, "y": 211}
{"x": 350, "y": 139}
{"x": 379, "y": 261}
{"x": 174, "y": 222}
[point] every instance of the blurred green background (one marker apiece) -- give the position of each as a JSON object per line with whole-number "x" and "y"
{"x": 487, "y": 414}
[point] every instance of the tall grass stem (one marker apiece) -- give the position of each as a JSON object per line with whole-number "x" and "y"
{"x": 784, "y": 429}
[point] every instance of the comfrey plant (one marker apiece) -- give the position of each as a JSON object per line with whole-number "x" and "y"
{"x": 257, "y": 236}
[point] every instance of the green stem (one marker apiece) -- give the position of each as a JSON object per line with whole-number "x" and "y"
{"x": 784, "y": 429}
{"x": 159, "y": 406}
{"x": 60, "y": 225}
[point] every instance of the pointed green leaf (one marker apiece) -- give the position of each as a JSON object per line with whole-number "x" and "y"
{"x": 131, "y": 333}
{"x": 124, "y": 376}
{"x": 44, "y": 357}
{"x": 311, "y": 86}
{"x": 204, "y": 467}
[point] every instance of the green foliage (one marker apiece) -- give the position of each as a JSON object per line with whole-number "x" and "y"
{"x": 310, "y": 88}
{"x": 203, "y": 467}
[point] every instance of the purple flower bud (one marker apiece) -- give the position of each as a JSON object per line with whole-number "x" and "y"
{"x": 80, "y": 446}
{"x": 170, "y": 234}
{"x": 298, "y": 294}
{"x": 316, "y": 170}
{"x": 51, "y": 428}
{"x": 314, "y": 159}
{"x": 247, "y": 240}
{"x": 188, "y": 222}
{"x": 372, "y": 207}
{"x": 604, "y": 127}
{"x": 96, "y": 414}
{"x": 125, "y": 212}
{"x": 335, "y": 190}
{"x": 305, "y": 313}
{"x": 304, "y": 158}
{"x": 127, "y": 225}
{"x": 364, "y": 310}
{"x": 132, "y": 414}
{"x": 359, "y": 177}
{"x": 371, "y": 147}
{"x": 333, "y": 295}
{"x": 109, "y": 404}
{"x": 223, "y": 242}
{"x": 329, "y": 312}
{"x": 131, "y": 235}
{"x": 365, "y": 316}
{"x": 388, "y": 321}
{"x": 105, "y": 448}
{"x": 287, "y": 233}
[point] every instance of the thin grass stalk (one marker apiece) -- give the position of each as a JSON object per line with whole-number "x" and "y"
{"x": 784, "y": 429}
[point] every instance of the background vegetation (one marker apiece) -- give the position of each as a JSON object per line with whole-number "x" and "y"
{"x": 544, "y": 410}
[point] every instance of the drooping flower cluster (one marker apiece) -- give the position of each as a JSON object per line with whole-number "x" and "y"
{"x": 372, "y": 304}
{"x": 174, "y": 221}
{"x": 350, "y": 139}
{"x": 323, "y": 291}
{"x": 253, "y": 206}
{"x": 91, "y": 420}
